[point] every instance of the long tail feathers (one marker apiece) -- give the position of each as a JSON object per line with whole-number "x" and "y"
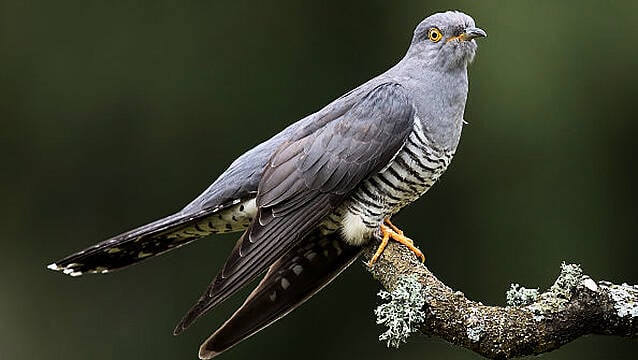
{"x": 145, "y": 242}
{"x": 288, "y": 283}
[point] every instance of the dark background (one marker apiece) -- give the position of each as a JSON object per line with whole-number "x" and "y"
{"x": 115, "y": 113}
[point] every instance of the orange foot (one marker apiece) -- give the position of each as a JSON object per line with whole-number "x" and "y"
{"x": 391, "y": 231}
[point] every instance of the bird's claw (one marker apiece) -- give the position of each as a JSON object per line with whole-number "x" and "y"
{"x": 390, "y": 231}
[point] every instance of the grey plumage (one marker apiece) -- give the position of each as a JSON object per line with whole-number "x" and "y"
{"x": 309, "y": 176}
{"x": 328, "y": 180}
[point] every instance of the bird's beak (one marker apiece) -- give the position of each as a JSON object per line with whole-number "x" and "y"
{"x": 469, "y": 34}
{"x": 472, "y": 33}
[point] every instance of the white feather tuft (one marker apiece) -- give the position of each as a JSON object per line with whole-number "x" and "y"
{"x": 354, "y": 230}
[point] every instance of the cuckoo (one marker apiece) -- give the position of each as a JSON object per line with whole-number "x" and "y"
{"x": 311, "y": 197}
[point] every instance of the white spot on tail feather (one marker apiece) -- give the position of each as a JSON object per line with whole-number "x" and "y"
{"x": 143, "y": 254}
{"x": 284, "y": 283}
{"x": 67, "y": 270}
{"x": 310, "y": 255}
{"x": 297, "y": 269}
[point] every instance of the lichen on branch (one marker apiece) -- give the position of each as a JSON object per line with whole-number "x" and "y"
{"x": 402, "y": 314}
{"x": 532, "y": 322}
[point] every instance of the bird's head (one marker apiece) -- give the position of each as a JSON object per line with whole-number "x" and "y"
{"x": 446, "y": 40}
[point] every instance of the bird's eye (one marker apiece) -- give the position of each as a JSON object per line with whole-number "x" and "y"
{"x": 435, "y": 35}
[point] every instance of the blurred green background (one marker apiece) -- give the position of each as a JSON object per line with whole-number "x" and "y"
{"x": 116, "y": 113}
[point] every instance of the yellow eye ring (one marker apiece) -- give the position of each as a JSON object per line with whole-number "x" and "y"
{"x": 435, "y": 35}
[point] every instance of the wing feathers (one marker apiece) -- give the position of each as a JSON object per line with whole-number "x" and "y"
{"x": 307, "y": 177}
{"x": 241, "y": 267}
{"x": 289, "y": 282}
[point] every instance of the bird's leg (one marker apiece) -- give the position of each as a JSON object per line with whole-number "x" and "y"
{"x": 391, "y": 231}
{"x": 393, "y": 227}
{"x": 384, "y": 243}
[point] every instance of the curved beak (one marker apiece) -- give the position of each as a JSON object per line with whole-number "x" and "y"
{"x": 472, "y": 33}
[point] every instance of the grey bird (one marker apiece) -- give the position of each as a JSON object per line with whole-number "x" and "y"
{"x": 309, "y": 198}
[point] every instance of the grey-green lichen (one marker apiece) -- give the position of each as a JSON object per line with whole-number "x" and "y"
{"x": 624, "y": 297}
{"x": 474, "y": 325}
{"x": 474, "y": 333}
{"x": 570, "y": 277}
{"x": 518, "y": 295}
{"x": 552, "y": 300}
{"x": 403, "y": 313}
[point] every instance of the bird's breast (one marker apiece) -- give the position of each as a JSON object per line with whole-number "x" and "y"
{"x": 412, "y": 171}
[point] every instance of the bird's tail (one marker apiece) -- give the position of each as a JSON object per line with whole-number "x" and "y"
{"x": 288, "y": 283}
{"x": 154, "y": 239}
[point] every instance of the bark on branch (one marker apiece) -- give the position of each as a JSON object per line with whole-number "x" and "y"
{"x": 532, "y": 323}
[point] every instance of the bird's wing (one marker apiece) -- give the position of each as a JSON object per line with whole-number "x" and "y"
{"x": 306, "y": 178}
{"x": 290, "y": 281}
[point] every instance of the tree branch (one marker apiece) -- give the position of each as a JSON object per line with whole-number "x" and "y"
{"x": 532, "y": 323}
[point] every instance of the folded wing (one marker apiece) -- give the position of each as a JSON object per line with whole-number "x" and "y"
{"x": 306, "y": 179}
{"x": 290, "y": 281}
